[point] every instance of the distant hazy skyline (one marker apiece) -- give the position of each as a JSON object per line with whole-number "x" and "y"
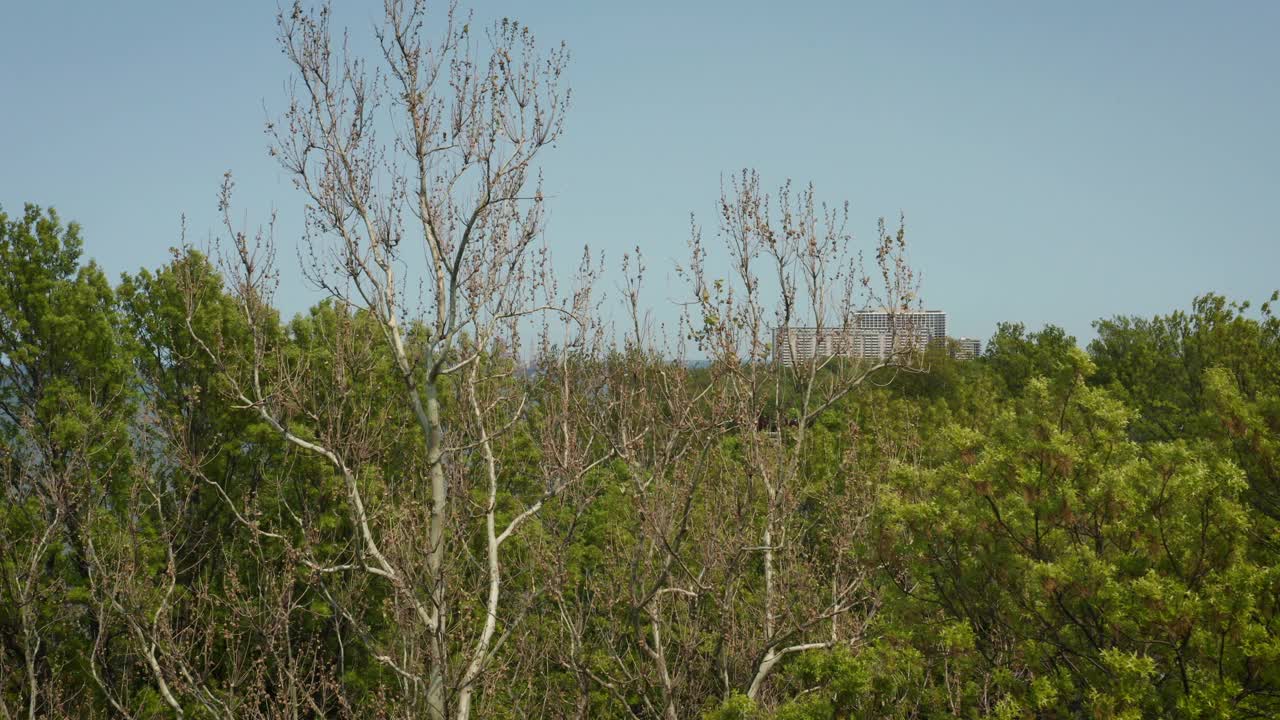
{"x": 1055, "y": 163}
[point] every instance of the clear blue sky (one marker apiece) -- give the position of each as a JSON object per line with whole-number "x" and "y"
{"x": 1056, "y": 162}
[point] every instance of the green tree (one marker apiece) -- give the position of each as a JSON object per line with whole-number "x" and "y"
{"x": 1018, "y": 356}
{"x": 1097, "y": 576}
{"x": 65, "y": 405}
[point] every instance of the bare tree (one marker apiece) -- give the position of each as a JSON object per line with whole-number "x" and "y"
{"x": 724, "y": 501}
{"x": 742, "y": 542}
{"x": 224, "y": 648}
{"x": 793, "y": 262}
{"x": 424, "y": 164}
{"x": 24, "y": 587}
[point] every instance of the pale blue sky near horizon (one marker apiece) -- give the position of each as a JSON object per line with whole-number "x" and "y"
{"x": 1055, "y": 163}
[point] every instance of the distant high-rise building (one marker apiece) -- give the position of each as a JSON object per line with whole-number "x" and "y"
{"x": 966, "y": 348}
{"x": 872, "y": 334}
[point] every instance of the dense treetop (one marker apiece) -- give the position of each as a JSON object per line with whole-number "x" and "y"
{"x": 1045, "y": 531}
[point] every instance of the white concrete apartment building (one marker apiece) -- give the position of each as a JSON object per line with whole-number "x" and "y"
{"x": 966, "y": 348}
{"x": 873, "y": 334}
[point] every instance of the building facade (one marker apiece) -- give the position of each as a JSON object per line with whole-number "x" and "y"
{"x": 872, "y": 334}
{"x": 966, "y": 348}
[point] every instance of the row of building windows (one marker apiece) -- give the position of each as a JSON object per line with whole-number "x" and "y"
{"x": 875, "y": 334}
